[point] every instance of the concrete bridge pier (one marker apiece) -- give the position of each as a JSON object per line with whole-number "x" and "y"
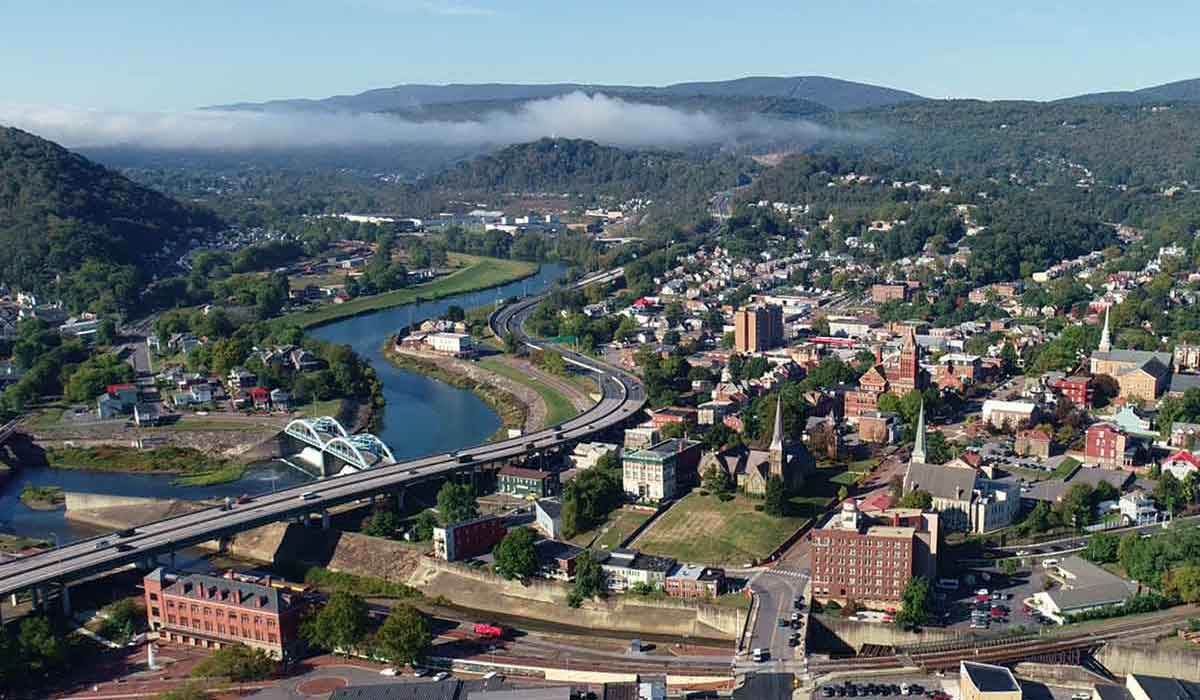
{"x": 64, "y": 595}
{"x": 13, "y": 599}
{"x": 37, "y": 597}
{"x": 324, "y": 519}
{"x": 398, "y": 494}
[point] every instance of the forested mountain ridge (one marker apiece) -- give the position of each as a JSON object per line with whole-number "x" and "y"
{"x": 1178, "y": 91}
{"x": 585, "y": 167}
{"x": 76, "y": 227}
{"x": 1119, "y": 144}
{"x": 831, "y": 93}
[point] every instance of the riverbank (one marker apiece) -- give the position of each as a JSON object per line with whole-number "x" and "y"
{"x": 195, "y": 468}
{"x": 42, "y": 497}
{"x": 482, "y": 273}
{"x": 505, "y": 398}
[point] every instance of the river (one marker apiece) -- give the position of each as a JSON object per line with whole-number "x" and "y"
{"x": 422, "y": 416}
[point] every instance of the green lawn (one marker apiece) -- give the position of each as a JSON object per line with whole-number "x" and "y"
{"x": 316, "y": 409}
{"x": 846, "y": 478}
{"x": 481, "y": 273}
{"x": 609, "y": 535}
{"x": 558, "y": 407}
{"x": 1065, "y": 468}
{"x": 49, "y": 417}
{"x": 705, "y": 530}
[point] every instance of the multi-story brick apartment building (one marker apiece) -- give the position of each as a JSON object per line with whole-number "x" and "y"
{"x": 214, "y": 612}
{"x": 872, "y": 560}
{"x": 758, "y": 329}
{"x": 468, "y": 539}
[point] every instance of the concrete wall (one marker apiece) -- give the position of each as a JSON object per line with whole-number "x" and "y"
{"x": 547, "y": 600}
{"x": 834, "y": 634}
{"x": 1122, "y": 659}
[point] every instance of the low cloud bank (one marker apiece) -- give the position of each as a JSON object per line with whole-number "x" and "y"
{"x": 597, "y": 117}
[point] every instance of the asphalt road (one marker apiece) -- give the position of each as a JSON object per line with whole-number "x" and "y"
{"x": 623, "y": 396}
{"x": 775, "y": 591}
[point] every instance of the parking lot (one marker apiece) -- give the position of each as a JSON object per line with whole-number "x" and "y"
{"x": 987, "y": 600}
{"x": 932, "y": 688}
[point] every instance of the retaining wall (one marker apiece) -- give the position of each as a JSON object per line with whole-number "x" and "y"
{"x": 842, "y": 636}
{"x": 1154, "y": 660}
{"x": 547, "y": 600}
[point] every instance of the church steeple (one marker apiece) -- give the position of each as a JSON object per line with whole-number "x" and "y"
{"x": 918, "y": 451}
{"x": 777, "y": 431}
{"x": 1105, "y": 336}
{"x": 775, "y": 455}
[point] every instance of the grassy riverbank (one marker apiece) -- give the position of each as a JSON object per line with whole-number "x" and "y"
{"x": 558, "y": 407}
{"x": 480, "y": 273}
{"x": 511, "y": 410}
{"x": 194, "y": 467}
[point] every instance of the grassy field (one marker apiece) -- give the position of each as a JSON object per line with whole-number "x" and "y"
{"x": 480, "y": 273}
{"x": 705, "y": 530}
{"x": 609, "y": 535}
{"x": 195, "y": 467}
{"x": 316, "y": 409}
{"x": 1065, "y": 468}
{"x": 558, "y": 408}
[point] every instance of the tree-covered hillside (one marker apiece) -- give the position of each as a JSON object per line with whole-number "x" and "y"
{"x": 72, "y": 225}
{"x": 578, "y": 166}
{"x": 1129, "y": 145}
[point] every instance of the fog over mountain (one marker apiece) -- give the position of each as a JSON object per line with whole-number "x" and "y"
{"x": 597, "y": 117}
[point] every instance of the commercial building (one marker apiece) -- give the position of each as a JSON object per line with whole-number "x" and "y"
{"x": 978, "y": 681}
{"x": 547, "y": 517}
{"x": 626, "y": 568}
{"x": 1077, "y": 390}
{"x": 468, "y": 539}
{"x": 526, "y": 483}
{"x": 456, "y": 344}
{"x": 1008, "y": 414}
{"x": 1033, "y": 443}
{"x": 1107, "y": 446}
{"x": 1083, "y": 586}
{"x": 872, "y": 559}
{"x": 758, "y": 329}
{"x": 213, "y": 612}
{"x": 883, "y": 293}
{"x": 878, "y": 427}
{"x": 692, "y": 581}
{"x": 656, "y": 472}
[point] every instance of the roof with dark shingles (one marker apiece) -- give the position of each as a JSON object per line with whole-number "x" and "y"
{"x": 988, "y": 678}
{"x": 1163, "y": 688}
{"x": 449, "y": 689}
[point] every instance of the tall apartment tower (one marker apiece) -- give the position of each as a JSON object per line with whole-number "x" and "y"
{"x": 758, "y": 329}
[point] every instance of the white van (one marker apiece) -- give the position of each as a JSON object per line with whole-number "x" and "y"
{"x": 759, "y": 655}
{"x": 1049, "y": 563}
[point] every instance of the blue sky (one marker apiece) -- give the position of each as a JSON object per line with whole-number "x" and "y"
{"x": 170, "y": 55}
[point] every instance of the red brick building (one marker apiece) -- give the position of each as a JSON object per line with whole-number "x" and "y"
{"x": 468, "y": 539}
{"x": 215, "y": 612}
{"x": 691, "y": 581}
{"x": 683, "y": 415}
{"x": 1077, "y": 390}
{"x": 883, "y": 293}
{"x": 871, "y": 561}
{"x": 1106, "y": 445}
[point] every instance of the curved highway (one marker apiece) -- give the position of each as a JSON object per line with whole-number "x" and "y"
{"x": 622, "y": 395}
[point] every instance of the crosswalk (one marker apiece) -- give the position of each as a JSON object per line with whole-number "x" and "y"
{"x": 789, "y": 572}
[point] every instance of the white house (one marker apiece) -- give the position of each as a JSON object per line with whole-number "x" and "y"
{"x": 451, "y": 343}
{"x": 1137, "y": 508}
